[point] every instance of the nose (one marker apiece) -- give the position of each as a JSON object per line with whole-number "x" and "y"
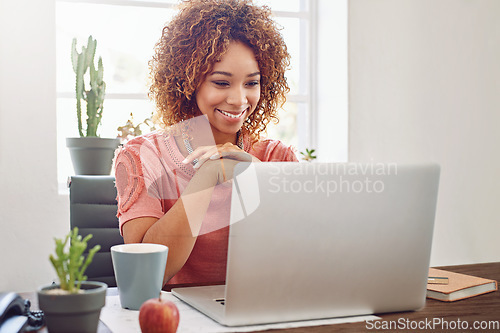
{"x": 237, "y": 97}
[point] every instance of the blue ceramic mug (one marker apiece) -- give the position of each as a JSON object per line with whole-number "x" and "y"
{"x": 139, "y": 270}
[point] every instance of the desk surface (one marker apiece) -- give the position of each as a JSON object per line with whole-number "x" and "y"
{"x": 482, "y": 309}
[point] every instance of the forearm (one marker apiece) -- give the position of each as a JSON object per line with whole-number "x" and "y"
{"x": 179, "y": 227}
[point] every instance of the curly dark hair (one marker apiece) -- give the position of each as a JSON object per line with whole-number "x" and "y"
{"x": 196, "y": 39}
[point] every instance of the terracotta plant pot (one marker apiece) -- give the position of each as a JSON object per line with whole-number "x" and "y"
{"x": 78, "y": 313}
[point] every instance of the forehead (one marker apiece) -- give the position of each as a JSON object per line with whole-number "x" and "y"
{"x": 238, "y": 57}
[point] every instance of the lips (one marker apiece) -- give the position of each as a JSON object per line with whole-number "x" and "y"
{"x": 232, "y": 115}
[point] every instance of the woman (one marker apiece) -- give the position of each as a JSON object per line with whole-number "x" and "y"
{"x": 218, "y": 80}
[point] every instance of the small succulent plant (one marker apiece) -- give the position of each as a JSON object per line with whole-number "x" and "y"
{"x": 70, "y": 264}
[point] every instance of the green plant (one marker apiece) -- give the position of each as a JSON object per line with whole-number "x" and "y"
{"x": 94, "y": 97}
{"x": 308, "y": 155}
{"x": 70, "y": 264}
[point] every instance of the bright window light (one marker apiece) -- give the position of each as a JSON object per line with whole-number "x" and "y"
{"x": 126, "y": 32}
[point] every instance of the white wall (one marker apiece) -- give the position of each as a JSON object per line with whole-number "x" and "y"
{"x": 31, "y": 211}
{"x": 425, "y": 86}
{"x": 331, "y": 82}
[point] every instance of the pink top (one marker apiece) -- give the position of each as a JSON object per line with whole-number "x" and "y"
{"x": 150, "y": 178}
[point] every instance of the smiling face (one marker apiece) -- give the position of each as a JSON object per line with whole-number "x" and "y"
{"x": 230, "y": 92}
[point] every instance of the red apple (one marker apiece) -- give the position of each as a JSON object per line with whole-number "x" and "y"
{"x": 158, "y": 316}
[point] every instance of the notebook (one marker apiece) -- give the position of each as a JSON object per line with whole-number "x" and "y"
{"x": 458, "y": 286}
{"x": 323, "y": 240}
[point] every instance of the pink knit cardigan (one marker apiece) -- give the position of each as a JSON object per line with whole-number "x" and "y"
{"x": 150, "y": 178}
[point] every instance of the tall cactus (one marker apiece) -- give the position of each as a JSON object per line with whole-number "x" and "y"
{"x": 94, "y": 97}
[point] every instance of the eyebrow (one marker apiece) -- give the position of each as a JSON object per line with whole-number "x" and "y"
{"x": 229, "y": 74}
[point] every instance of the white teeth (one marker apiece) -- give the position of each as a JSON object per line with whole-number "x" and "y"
{"x": 230, "y": 115}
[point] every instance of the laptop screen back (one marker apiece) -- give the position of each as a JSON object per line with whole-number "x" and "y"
{"x": 318, "y": 240}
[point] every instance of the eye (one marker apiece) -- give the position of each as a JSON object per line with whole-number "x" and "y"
{"x": 221, "y": 83}
{"x": 253, "y": 83}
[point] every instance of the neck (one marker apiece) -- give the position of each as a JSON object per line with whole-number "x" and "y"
{"x": 222, "y": 138}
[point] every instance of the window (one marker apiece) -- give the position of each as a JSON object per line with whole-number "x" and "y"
{"x": 126, "y": 32}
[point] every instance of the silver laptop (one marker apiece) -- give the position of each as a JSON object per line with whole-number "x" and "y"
{"x": 323, "y": 240}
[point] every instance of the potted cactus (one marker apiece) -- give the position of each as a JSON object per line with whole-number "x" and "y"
{"x": 91, "y": 155}
{"x": 73, "y": 305}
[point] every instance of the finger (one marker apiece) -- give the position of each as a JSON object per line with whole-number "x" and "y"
{"x": 202, "y": 154}
{"x": 235, "y": 155}
{"x": 199, "y": 153}
{"x": 205, "y": 157}
{"x": 215, "y": 156}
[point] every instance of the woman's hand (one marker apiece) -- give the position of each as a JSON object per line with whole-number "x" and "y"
{"x": 220, "y": 159}
{"x": 227, "y": 150}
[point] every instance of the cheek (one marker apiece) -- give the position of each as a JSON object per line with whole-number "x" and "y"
{"x": 207, "y": 97}
{"x": 254, "y": 97}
